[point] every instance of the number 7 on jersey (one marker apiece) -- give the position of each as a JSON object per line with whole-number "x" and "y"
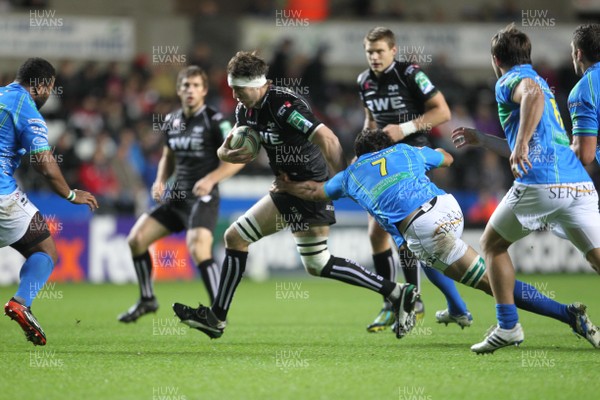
{"x": 382, "y": 167}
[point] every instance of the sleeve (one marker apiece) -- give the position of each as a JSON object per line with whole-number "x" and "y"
{"x": 584, "y": 113}
{"x": 506, "y": 86}
{"x": 220, "y": 128}
{"x": 419, "y": 84}
{"x": 431, "y": 158}
{"x": 335, "y": 188}
{"x": 360, "y": 82}
{"x": 296, "y": 114}
{"x": 33, "y": 132}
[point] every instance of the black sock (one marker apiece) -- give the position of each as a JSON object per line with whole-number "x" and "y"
{"x": 233, "y": 268}
{"x": 410, "y": 267}
{"x": 348, "y": 271}
{"x": 385, "y": 266}
{"x": 143, "y": 270}
{"x": 211, "y": 273}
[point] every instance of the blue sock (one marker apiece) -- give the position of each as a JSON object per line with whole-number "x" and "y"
{"x": 456, "y": 305}
{"x": 34, "y": 274}
{"x": 530, "y": 299}
{"x": 507, "y": 315}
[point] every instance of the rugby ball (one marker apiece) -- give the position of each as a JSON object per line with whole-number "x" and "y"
{"x": 246, "y": 138}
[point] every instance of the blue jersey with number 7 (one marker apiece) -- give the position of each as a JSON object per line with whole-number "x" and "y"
{"x": 552, "y": 159}
{"x": 389, "y": 184}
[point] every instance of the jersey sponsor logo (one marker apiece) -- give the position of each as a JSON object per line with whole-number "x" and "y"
{"x": 571, "y": 191}
{"x": 270, "y": 138}
{"x": 38, "y": 130}
{"x": 298, "y": 121}
{"x": 39, "y": 141}
{"x": 197, "y": 130}
{"x": 393, "y": 88}
{"x": 423, "y": 82}
{"x": 384, "y": 104}
{"x": 36, "y": 121}
{"x": 187, "y": 143}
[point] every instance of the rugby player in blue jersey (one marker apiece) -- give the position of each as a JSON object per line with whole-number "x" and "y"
{"x": 552, "y": 190}
{"x": 22, "y": 227}
{"x": 389, "y": 182}
{"x": 584, "y": 100}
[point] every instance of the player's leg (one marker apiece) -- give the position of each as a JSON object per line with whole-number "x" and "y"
{"x": 146, "y": 230}
{"x": 385, "y": 266}
{"x": 39, "y": 250}
{"x": 199, "y": 239}
{"x": 259, "y": 221}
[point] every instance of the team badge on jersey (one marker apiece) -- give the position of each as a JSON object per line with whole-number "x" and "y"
{"x": 298, "y": 121}
{"x": 424, "y": 83}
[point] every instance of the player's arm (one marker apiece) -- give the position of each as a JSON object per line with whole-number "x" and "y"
{"x": 369, "y": 120}
{"x": 225, "y": 170}
{"x": 447, "y": 160}
{"x": 45, "y": 164}
{"x": 530, "y": 96}
{"x": 462, "y": 137}
{"x": 585, "y": 148}
{"x": 330, "y": 147}
{"x": 166, "y": 167}
{"x": 307, "y": 190}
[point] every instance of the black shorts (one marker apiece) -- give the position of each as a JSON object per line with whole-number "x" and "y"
{"x": 311, "y": 212}
{"x": 182, "y": 214}
{"x": 36, "y": 233}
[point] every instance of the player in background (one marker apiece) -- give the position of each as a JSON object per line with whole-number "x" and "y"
{"x": 389, "y": 182}
{"x": 400, "y": 99}
{"x": 22, "y": 226}
{"x": 584, "y": 104}
{"x": 300, "y": 146}
{"x": 189, "y": 201}
{"x": 552, "y": 190}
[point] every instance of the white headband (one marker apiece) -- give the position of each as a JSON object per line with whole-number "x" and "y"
{"x": 246, "y": 82}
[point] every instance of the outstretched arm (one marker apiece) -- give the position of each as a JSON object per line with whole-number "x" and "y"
{"x": 462, "y": 137}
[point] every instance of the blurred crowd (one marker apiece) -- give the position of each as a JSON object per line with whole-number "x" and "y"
{"x": 104, "y": 122}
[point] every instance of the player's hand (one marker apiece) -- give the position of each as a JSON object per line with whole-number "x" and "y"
{"x": 203, "y": 187}
{"x": 237, "y": 156}
{"x": 158, "y": 190}
{"x": 281, "y": 183}
{"x": 465, "y": 136}
{"x": 394, "y": 132}
{"x": 519, "y": 160}
{"x": 83, "y": 197}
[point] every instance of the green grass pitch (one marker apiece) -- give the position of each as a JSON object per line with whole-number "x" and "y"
{"x": 290, "y": 338}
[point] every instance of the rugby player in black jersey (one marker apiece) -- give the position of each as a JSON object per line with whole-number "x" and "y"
{"x": 299, "y": 147}
{"x": 191, "y": 202}
{"x": 400, "y": 99}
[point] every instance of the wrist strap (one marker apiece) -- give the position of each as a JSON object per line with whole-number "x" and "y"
{"x": 71, "y": 195}
{"x": 408, "y": 128}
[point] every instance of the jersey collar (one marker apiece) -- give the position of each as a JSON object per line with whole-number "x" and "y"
{"x": 592, "y": 67}
{"x": 385, "y": 71}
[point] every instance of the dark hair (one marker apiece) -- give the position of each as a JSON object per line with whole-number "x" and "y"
{"x": 371, "y": 140}
{"x": 35, "y": 71}
{"x": 190, "y": 71}
{"x": 247, "y": 65}
{"x": 587, "y": 38}
{"x": 381, "y": 33}
{"x": 511, "y": 46}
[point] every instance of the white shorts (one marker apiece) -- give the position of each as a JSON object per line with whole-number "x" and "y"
{"x": 435, "y": 237}
{"x": 16, "y": 212}
{"x": 569, "y": 209}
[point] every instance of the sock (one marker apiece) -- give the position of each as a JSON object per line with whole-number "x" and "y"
{"x": 456, "y": 305}
{"x": 233, "y": 268}
{"x": 530, "y": 299}
{"x": 34, "y": 273}
{"x": 410, "y": 267}
{"x": 507, "y": 315}
{"x": 350, "y": 272}
{"x": 143, "y": 270}
{"x": 385, "y": 266}
{"x": 210, "y": 272}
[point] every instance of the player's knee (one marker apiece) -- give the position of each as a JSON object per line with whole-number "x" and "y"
{"x": 233, "y": 239}
{"x": 135, "y": 240}
{"x": 313, "y": 253}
